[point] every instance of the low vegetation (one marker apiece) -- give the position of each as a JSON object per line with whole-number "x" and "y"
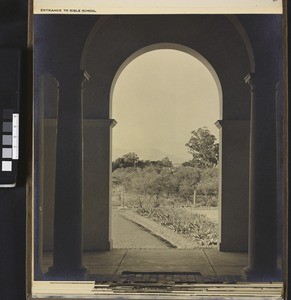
{"x": 183, "y": 185}
{"x": 167, "y": 194}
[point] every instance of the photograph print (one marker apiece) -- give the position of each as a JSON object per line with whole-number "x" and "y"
{"x": 158, "y": 148}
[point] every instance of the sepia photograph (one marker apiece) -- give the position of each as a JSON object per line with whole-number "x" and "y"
{"x": 159, "y": 149}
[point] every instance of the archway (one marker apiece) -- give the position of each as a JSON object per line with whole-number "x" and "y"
{"x": 159, "y": 96}
{"x": 104, "y": 59}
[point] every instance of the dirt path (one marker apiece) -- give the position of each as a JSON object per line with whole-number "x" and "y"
{"x": 126, "y": 234}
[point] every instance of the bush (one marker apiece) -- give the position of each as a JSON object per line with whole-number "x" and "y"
{"x": 187, "y": 180}
{"x": 208, "y": 184}
{"x": 168, "y": 182}
{"x": 207, "y": 200}
{"x": 182, "y": 221}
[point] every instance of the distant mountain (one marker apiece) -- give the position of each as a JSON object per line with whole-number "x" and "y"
{"x": 149, "y": 154}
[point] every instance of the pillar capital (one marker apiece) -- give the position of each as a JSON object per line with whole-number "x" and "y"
{"x": 84, "y": 76}
{"x": 250, "y": 79}
{"x": 221, "y": 123}
{"x": 76, "y": 79}
{"x": 262, "y": 81}
{"x": 47, "y": 75}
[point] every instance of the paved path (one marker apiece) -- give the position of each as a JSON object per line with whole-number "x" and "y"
{"x": 128, "y": 235}
{"x": 207, "y": 262}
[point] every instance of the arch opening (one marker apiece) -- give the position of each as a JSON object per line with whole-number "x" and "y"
{"x": 161, "y": 97}
{"x": 178, "y": 48}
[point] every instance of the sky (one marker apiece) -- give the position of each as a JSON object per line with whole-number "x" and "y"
{"x": 158, "y": 99}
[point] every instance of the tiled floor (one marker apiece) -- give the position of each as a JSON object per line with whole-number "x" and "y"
{"x": 207, "y": 262}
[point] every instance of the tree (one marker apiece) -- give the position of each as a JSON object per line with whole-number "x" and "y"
{"x": 187, "y": 178}
{"x": 207, "y": 188}
{"x": 204, "y": 149}
{"x": 208, "y": 184}
{"x": 163, "y": 163}
{"x": 128, "y": 160}
{"x": 166, "y": 162}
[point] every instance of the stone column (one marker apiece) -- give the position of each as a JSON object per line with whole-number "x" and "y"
{"x": 49, "y": 102}
{"x": 262, "y": 194}
{"x": 97, "y": 184}
{"x": 68, "y": 242}
{"x": 280, "y": 175}
{"x": 233, "y": 184}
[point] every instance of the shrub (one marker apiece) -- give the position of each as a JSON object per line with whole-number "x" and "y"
{"x": 175, "y": 183}
{"x": 208, "y": 184}
{"x": 182, "y": 221}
